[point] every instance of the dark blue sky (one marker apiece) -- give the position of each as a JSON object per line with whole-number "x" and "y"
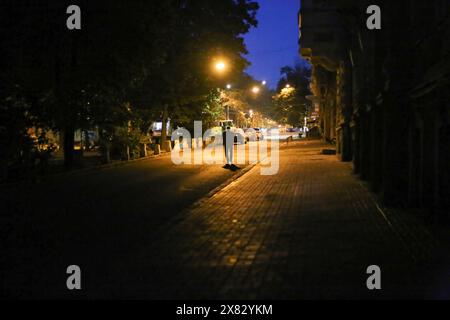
{"x": 273, "y": 44}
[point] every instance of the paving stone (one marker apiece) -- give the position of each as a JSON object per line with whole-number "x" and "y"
{"x": 310, "y": 231}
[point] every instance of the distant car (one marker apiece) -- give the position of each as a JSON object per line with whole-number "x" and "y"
{"x": 211, "y": 135}
{"x": 253, "y": 134}
{"x": 250, "y": 135}
{"x": 259, "y": 134}
{"x": 239, "y": 136}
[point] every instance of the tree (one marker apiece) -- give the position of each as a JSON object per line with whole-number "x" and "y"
{"x": 65, "y": 71}
{"x": 155, "y": 58}
{"x": 205, "y": 30}
{"x": 290, "y": 104}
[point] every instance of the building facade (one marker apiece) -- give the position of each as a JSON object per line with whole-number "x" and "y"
{"x": 383, "y": 95}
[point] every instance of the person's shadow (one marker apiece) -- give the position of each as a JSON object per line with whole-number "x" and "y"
{"x": 234, "y": 168}
{"x": 231, "y": 167}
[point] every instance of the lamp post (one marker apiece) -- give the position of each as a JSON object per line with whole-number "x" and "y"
{"x": 220, "y": 67}
{"x": 229, "y": 86}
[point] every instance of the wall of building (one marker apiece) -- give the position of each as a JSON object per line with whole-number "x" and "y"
{"x": 390, "y": 89}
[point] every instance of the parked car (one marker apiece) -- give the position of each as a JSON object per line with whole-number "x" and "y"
{"x": 250, "y": 135}
{"x": 240, "y": 136}
{"x": 253, "y": 134}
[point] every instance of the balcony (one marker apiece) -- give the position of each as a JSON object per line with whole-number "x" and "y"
{"x": 321, "y": 34}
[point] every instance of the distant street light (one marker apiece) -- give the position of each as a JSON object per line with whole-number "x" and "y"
{"x": 228, "y": 86}
{"x": 264, "y": 82}
{"x": 288, "y": 86}
{"x": 256, "y": 90}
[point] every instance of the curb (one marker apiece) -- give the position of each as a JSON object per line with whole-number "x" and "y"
{"x": 123, "y": 163}
{"x": 224, "y": 184}
{"x": 181, "y": 214}
{"x": 217, "y": 189}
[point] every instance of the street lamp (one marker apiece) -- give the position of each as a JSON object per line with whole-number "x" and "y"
{"x": 288, "y": 86}
{"x": 220, "y": 66}
{"x": 264, "y": 82}
{"x": 228, "y": 86}
{"x": 256, "y": 90}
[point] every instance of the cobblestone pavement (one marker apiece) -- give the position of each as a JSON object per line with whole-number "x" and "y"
{"x": 309, "y": 232}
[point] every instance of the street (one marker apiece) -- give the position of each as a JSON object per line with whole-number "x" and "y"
{"x": 193, "y": 154}
{"x": 309, "y": 232}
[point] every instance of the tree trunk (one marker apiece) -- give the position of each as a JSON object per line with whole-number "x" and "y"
{"x": 69, "y": 142}
{"x": 105, "y": 146}
{"x": 69, "y": 115}
{"x": 164, "y": 128}
{"x": 128, "y": 153}
{"x": 108, "y": 154}
{"x": 86, "y": 142}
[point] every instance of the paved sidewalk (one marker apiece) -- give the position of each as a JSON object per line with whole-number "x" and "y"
{"x": 309, "y": 232}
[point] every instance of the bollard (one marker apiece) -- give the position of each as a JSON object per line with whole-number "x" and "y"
{"x": 145, "y": 150}
{"x": 157, "y": 149}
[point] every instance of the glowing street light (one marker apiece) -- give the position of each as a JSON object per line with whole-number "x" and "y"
{"x": 228, "y": 86}
{"x": 220, "y": 66}
{"x": 256, "y": 90}
{"x": 264, "y": 82}
{"x": 288, "y": 86}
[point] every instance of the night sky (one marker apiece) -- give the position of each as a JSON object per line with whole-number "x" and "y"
{"x": 273, "y": 44}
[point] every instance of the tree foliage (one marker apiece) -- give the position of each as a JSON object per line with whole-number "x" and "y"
{"x": 290, "y": 104}
{"x": 152, "y": 55}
